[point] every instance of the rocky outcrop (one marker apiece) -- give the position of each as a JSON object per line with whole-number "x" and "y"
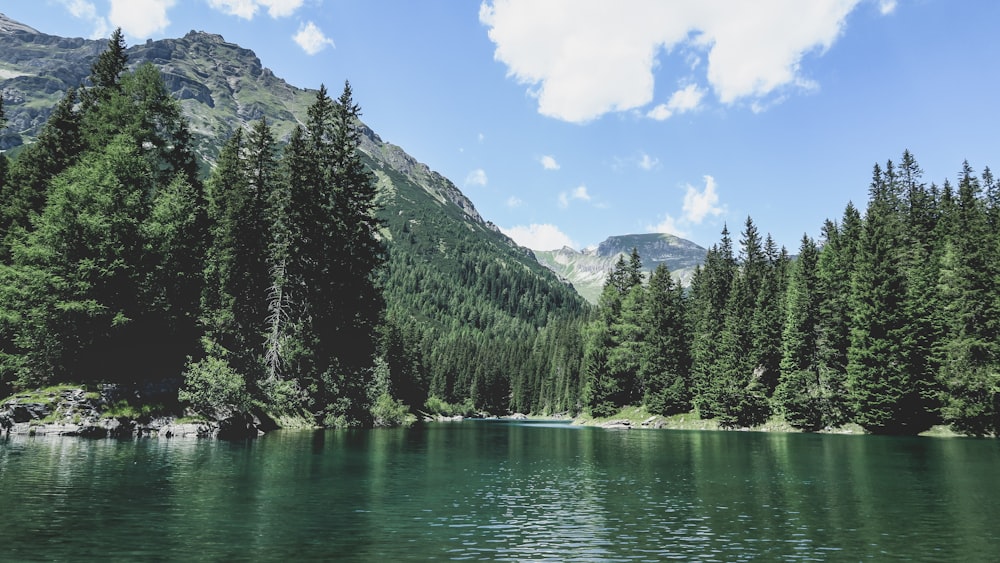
{"x": 75, "y": 412}
{"x": 621, "y": 424}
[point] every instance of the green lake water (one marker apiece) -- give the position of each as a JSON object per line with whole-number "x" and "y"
{"x": 501, "y": 491}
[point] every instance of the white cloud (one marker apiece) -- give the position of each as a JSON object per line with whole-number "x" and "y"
{"x": 670, "y": 226}
{"x": 481, "y": 137}
{"x": 647, "y": 162}
{"x": 247, "y": 9}
{"x": 684, "y": 100}
{"x": 539, "y": 237}
{"x": 311, "y": 38}
{"x": 886, "y": 7}
{"x": 585, "y": 58}
{"x": 549, "y": 162}
{"x": 579, "y": 192}
{"x": 84, "y": 10}
{"x": 660, "y": 113}
{"x": 281, "y": 8}
{"x": 700, "y": 203}
{"x": 514, "y": 201}
{"x": 140, "y": 18}
{"x": 476, "y": 178}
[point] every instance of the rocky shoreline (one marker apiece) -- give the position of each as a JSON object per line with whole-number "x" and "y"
{"x": 76, "y": 412}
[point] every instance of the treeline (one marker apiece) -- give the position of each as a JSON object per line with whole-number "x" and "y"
{"x": 259, "y": 285}
{"x": 890, "y": 321}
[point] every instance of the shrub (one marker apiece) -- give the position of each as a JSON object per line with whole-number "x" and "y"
{"x": 389, "y": 412}
{"x": 212, "y": 387}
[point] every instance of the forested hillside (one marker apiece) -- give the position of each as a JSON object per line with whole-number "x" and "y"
{"x": 259, "y": 282}
{"x": 889, "y": 321}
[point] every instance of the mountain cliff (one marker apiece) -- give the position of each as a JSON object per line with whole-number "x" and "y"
{"x": 588, "y": 269}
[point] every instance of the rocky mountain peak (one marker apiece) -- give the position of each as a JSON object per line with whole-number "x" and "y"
{"x": 587, "y": 270}
{"x": 8, "y": 25}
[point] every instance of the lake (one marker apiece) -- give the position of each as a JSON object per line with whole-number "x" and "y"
{"x": 501, "y": 491}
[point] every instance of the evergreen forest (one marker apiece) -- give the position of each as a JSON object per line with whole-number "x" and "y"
{"x": 889, "y": 321}
{"x": 274, "y": 280}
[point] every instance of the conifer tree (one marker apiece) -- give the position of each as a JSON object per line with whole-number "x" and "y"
{"x": 613, "y": 371}
{"x": 769, "y": 316}
{"x": 710, "y": 289}
{"x": 835, "y": 270}
{"x": 334, "y": 255}
{"x": 741, "y": 393}
{"x": 666, "y": 364}
{"x": 58, "y": 147}
{"x": 970, "y": 354}
{"x": 888, "y": 397}
{"x": 802, "y": 395}
{"x": 110, "y": 64}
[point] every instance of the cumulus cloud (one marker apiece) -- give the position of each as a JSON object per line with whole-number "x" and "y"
{"x": 684, "y": 100}
{"x": 549, "y": 162}
{"x": 539, "y": 236}
{"x": 81, "y": 9}
{"x": 140, "y": 18}
{"x": 247, "y": 9}
{"x": 476, "y": 178}
{"x": 887, "y": 7}
{"x": 311, "y": 38}
{"x": 699, "y": 203}
{"x": 584, "y": 58}
{"x": 514, "y": 201}
{"x": 579, "y": 192}
{"x": 670, "y": 226}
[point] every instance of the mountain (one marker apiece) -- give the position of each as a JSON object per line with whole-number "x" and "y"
{"x": 587, "y": 269}
{"x": 465, "y": 297}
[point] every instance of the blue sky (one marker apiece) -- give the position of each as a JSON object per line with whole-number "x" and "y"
{"x": 567, "y": 121}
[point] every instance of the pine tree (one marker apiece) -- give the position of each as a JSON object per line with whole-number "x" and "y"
{"x": 238, "y": 273}
{"x": 888, "y": 397}
{"x": 613, "y": 371}
{"x": 710, "y": 291}
{"x": 110, "y": 64}
{"x": 58, "y": 147}
{"x": 769, "y": 316}
{"x": 334, "y": 254}
{"x": 970, "y": 353}
{"x": 835, "y": 270}
{"x": 742, "y": 395}
{"x": 666, "y": 364}
{"x": 802, "y": 396}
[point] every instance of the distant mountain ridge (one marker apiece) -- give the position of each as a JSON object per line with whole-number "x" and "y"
{"x": 588, "y": 269}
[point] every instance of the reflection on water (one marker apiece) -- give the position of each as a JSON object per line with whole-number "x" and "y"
{"x": 497, "y": 490}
